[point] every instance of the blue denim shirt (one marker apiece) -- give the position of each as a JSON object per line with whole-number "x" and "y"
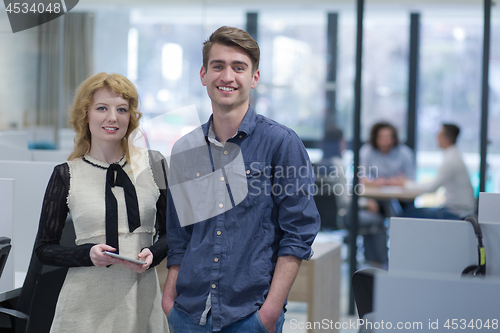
{"x": 231, "y": 256}
{"x": 400, "y": 161}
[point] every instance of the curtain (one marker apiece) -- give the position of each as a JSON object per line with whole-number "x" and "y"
{"x": 77, "y": 65}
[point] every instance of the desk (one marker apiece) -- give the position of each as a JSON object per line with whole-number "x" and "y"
{"x": 424, "y": 283}
{"x": 389, "y": 192}
{"x": 427, "y": 303}
{"x": 390, "y": 196}
{"x": 318, "y": 285}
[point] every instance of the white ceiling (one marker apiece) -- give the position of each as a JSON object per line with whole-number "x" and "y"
{"x": 207, "y": 9}
{"x": 257, "y": 3}
{"x": 286, "y": 2}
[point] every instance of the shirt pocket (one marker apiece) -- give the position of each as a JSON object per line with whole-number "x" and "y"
{"x": 258, "y": 176}
{"x": 198, "y": 198}
{"x": 201, "y": 185}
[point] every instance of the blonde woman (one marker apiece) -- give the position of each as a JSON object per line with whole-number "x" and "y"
{"x": 115, "y": 205}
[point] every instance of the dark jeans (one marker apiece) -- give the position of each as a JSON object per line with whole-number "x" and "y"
{"x": 374, "y": 235}
{"x": 179, "y": 322}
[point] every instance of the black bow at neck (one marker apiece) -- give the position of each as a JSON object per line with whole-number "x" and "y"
{"x": 121, "y": 179}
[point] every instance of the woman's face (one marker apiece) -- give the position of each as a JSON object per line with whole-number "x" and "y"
{"x": 385, "y": 139}
{"x": 108, "y": 117}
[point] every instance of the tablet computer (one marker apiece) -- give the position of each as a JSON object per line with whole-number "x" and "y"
{"x": 135, "y": 261}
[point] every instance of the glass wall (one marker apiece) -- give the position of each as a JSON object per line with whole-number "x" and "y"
{"x": 385, "y": 71}
{"x": 293, "y": 61}
{"x": 159, "y": 49}
{"x": 450, "y": 79}
{"x": 493, "y": 158}
{"x": 161, "y": 53}
{"x": 449, "y": 88}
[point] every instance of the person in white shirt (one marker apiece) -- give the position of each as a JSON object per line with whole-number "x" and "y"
{"x": 453, "y": 175}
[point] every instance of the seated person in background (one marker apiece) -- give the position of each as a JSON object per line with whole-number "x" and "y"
{"x": 330, "y": 173}
{"x": 333, "y": 143}
{"x": 385, "y": 160}
{"x": 453, "y": 175}
{"x": 372, "y": 228}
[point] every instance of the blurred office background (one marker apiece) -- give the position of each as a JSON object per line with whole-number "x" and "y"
{"x": 307, "y": 67}
{"x": 308, "y": 50}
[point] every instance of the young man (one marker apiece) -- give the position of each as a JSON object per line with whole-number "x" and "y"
{"x": 453, "y": 175}
{"x": 241, "y": 216}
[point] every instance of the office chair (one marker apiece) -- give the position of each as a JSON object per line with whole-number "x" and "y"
{"x": 362, "y": 287}
{"x": 4, "y": 252}
{"x": 5, "y": 247}
{"x": 326, "y": 203}
{"x": 325, "y": 197}
{"x": 36, "y": 304}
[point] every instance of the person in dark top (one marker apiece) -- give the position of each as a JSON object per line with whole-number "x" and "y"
{"x": 116, "y": 195}
{"x": 240, "y": 212}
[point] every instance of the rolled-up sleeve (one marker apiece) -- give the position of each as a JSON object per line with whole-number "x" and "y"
{"x": 293, "y": 190}
{"x": 177, "y": 237}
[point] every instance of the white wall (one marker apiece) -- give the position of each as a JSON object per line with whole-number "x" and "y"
{"x": 18, "y": 75}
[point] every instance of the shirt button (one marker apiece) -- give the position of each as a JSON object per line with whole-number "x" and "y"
{"x": 248, "y": 172}
{"x": 241, "y": 136}
{"x": 197, "y": 174}
{"x": 221, "y": 179}
{"x": 214, "y": 286}
{"x": 219, "y": 233}
{"x": 216, "y": 259}
{"x": 225, "y": 152}
{"x": 221, "y": 205}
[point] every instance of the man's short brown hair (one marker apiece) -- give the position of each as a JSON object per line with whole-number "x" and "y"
{"x": 230, "y": 36}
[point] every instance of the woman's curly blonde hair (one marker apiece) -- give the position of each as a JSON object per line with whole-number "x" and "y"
{"x": 83, "y": 99}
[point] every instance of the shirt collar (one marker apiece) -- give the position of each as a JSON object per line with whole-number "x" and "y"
{"x": 247, "y": 124}
{"x": 450, "y": 149}
{"x": 103, "y": 165}
{"x": 211, "y": 134}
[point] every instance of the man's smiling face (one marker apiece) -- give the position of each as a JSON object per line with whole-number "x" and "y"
{"x": 229, "y": 77}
